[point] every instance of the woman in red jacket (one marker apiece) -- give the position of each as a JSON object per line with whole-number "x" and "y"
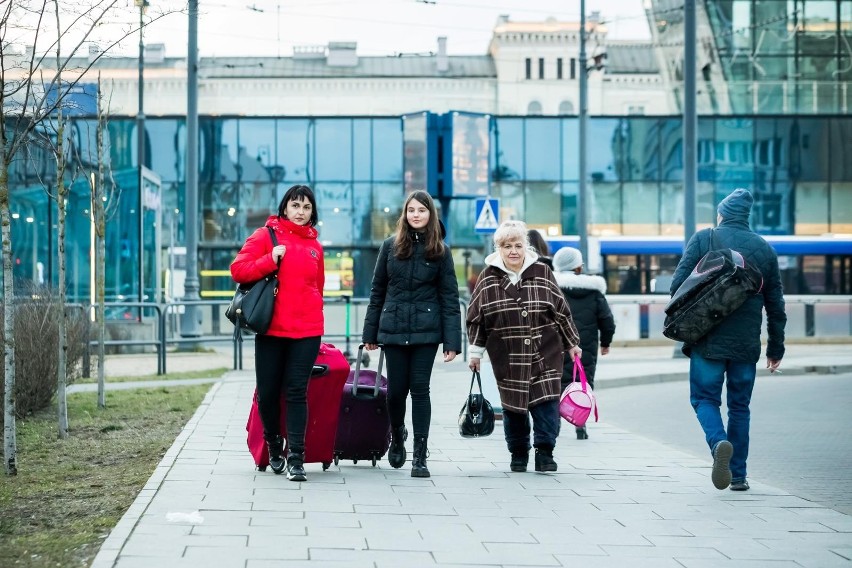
{"x": 285, "y": 354}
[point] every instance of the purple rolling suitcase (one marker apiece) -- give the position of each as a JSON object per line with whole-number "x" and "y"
{"x": 363, "y": 429}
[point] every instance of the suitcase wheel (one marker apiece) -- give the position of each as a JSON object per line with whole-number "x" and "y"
{"x": 374, "y": 461}
{"x": 261, "y": 468}
{"x": 354, "y": 461}
{"x": 326, "y": 465}
{"x": 336, "y": 460}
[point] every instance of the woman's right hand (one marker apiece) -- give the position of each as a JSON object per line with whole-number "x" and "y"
{"x": 278, "y": 252}
{"x": 474, "y": 364}
{"x": 371, "y": 346}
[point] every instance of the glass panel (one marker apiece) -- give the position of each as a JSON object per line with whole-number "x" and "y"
{"x": 511, "y": 196}
{"x": 640, "y": 150}
{"x": 508, "y": 142}
{"x": 806, "y": 140}
{"x": 731, "y": 158}
{"x": 541, "y": 150}
{"x": 461, "y": 211}
{"x": 167, "y": 152}
{"x": 641, "y": 207}
{"x": 671, "y": 148}
{"x": 385, "y": 210}
{"x": 604, "y": 138}
{"x": 387, "y": 149}
{"x": 811, "y": 215}
{"x": 543, "y": 205}
{"x": 671, "y": 209}
{"x": 122, "y": 155}
{"x": 257, "y": 150}
{"x": 333, "y": 149}
{"x": 840, "y": 212}
{"x": 840, "y": 149}
{"x": 362, "y": 133}
{"x": 570, "y": 145}
{"x": 415, "y": 161}
{"x": 294, "y": 149}
{"x": 221, "y": 142}
{"x": 219, "y": 203}
{"x": 335, "y": 208}
{"x": 569, "y": 209}
{"x": 605, "y": 209}
{"x": 470, "y": 154}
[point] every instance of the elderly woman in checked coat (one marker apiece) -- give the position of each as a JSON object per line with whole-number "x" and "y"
{"x": 519, "y": 315}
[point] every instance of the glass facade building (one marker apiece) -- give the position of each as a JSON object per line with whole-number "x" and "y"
{"x": 360, "y": 167}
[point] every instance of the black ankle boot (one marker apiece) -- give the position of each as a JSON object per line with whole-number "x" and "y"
{"x": 520, "y": 459}
{"x": 296, "y": 466}
{"x": 582, "y": 434}
{"x": 544, "y": 459}
{"x": 276, "y": 454}
{"x": 418, "y": 462}
{"x": 396, "y": 453}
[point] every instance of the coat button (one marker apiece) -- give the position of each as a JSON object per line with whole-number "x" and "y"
{"x": 526, "y": 341}
{"x": 524, "y": 313}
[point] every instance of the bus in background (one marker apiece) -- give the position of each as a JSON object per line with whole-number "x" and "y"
{"x": 644, "y": 265}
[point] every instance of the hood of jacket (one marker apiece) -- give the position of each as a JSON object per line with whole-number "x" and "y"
{"x": 494, "y": 259}
{"x": 277, "y": 223}
{"x": 571, "y": 282}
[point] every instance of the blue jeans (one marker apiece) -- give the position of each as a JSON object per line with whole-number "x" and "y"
{"x": 706, "y": 378}
{"x": 516, "y": 427}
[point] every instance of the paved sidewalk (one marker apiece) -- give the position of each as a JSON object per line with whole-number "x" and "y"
{"x": 617, "y": 500}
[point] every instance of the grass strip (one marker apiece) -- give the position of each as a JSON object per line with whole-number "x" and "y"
{"x": 70, "y": 493}
{"x": 200, "y": 374}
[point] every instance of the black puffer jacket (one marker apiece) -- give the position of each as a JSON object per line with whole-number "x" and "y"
{"x": 738, "y": 336}
{"x": 413, "y": 300}
{"x": 592, "y": 316}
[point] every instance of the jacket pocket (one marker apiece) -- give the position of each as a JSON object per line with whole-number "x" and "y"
{"x": 427, "y": 319}
{"x": 388, "y": 321}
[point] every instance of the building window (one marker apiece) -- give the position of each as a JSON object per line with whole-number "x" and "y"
{"x": 534, "y": 109}
{"x": 558, "y": 67}
{"x": 529, "y": 68}
{"x": 573, "y": 68}
{"x": 541, "y": 67}
{"x": 566, "y": 107}
{"x": 636, "y": 109}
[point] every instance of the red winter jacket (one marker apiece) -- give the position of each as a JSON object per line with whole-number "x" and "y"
{"x": 298, "y": 307}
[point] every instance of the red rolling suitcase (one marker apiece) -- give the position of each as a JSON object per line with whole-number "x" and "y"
{"x": 324, "y": 390}
{"x": 363, "y": 429}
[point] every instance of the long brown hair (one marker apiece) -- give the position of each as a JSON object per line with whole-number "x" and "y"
{"x": 432, "y": 234}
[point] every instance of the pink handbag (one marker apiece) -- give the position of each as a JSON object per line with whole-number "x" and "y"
{"x": 578, "y": 399}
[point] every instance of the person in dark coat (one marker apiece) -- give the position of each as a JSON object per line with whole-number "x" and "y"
{"x": 586, "y": 298}
{"x": 519, "y": 316}
{"x": 414, "y": 307}
{"x": 539, "y": 245}
{"x": 728, "y": 354}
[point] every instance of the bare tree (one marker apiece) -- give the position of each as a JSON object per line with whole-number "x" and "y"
{"x": 31, "y": 93}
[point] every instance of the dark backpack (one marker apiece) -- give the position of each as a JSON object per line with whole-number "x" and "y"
{"x": 720, "y": 283}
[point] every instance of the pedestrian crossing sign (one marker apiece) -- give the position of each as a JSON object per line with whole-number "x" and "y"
{"x": 487, "y": 215}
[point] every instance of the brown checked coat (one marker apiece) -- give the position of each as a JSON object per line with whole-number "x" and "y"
{"x": 526, "y": 328}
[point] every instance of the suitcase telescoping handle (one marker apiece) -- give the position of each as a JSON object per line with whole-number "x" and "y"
{"x": 378, "y": 385}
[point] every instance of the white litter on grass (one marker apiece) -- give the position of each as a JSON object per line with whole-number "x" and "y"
{"x": 193, "y": 518}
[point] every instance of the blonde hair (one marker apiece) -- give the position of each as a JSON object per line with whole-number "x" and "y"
{"x": 511, "y": 230}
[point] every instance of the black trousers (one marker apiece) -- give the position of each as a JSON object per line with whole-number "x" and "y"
{"x": 283, "y": 365}
{"x": 409, "y": 369}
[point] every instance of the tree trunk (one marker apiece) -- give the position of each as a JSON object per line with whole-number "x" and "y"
{"x": 10, "y": 443}
{"x": 61, "y": 196}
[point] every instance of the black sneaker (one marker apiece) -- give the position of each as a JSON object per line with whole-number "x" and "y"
{"x": 544, "y": 460}
{"x": 276, "y": 454}
{"x": 519, "y": 461}
{"x": 296, "y": 467}
{"x": 721, "y": 474}
{"x": 739, "y": 485}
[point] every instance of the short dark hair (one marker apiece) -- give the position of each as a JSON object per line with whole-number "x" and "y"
{"x": 298, "y": 193}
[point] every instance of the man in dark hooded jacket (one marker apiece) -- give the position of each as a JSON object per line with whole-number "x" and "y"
{"x": 586, "y": 297}
{"x": 728, "y": 354}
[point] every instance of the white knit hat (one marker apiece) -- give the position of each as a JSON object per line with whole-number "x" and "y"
{"x": 567, "y": 259}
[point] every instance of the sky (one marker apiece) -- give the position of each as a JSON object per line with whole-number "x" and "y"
{"x": 380, "y": 27}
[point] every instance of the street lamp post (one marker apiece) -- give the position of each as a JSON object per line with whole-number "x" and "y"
{"x": 140, "y": 151}
{"x": 582, "y": 190}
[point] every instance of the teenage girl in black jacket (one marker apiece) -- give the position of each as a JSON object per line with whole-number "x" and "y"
{"x": 414, "y": 306}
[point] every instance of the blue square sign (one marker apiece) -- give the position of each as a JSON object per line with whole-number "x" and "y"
{"x": 487, "y": 215}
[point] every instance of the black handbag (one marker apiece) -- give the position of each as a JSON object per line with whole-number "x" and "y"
{"x": 254, "y": 304}
{"x": 476, "y": 418}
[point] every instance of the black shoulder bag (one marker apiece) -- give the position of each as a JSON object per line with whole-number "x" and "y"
{"x": 254, "y": 304}
{"x": 476, "y": 418}
{"x": 720, "y": 283}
